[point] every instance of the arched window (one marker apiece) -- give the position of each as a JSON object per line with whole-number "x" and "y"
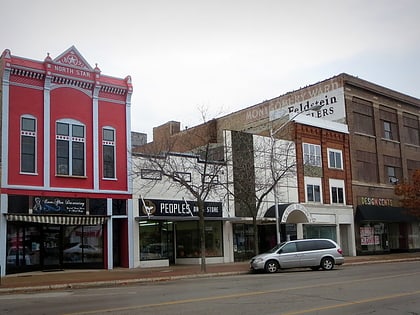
{"x": 28, "y": 144}
{"x": 70, "y": 140}
{"x": 108, "y": 151}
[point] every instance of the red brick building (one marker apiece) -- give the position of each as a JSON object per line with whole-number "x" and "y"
{"x": 65, "y": 128}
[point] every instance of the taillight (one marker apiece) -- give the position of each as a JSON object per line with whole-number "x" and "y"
{"x": 340, "y": 251}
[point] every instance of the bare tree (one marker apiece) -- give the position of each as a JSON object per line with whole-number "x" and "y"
{"x": 260, "y": 164}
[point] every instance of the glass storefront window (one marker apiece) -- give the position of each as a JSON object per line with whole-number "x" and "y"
{"x": 374, "y": 237}
{"x": 155, "y": 240}
{"x": 23, "y": 247}
{"x": 188, "y": 240}
{"x": 82, "y": 244}
{"x": 243, "y": 241}
{"x": 320, "y": 231}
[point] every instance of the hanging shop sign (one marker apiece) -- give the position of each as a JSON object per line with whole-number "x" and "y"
{"x": 48, "y": 205}
{"x": 178, "y": 208}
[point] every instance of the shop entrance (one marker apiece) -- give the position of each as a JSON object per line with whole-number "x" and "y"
{"x": 157, "y": 240}
{"x": 51, "y": 247}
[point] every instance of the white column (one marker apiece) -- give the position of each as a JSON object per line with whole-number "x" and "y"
{"x": 47, "y": 130}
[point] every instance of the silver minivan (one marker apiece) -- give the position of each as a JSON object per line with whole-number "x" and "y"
{"x": 308, "y": 253}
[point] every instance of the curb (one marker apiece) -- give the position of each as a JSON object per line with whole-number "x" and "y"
{"x": 111, "y": 283}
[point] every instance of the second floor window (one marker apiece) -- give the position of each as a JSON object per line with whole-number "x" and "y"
{"x": 337, "y": 195}
{"x": 108, "y": 146}
{"x": 313, "y": 193}
{"x": 27, "y": 145}
{"x": 70, "y": 141}
{"x": 335, "y": 159}
{"x": 312, "y": 154}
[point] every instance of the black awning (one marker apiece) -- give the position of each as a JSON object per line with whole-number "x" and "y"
{"x": 271, "y": 212}
{"x": 384, "y": 214}
{"x": 58, "y": 219}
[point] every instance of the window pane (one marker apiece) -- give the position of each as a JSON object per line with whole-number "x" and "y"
{"x": 334, "y": 194}
{"x": 78, "y": 131}
{"x": 78, "y": 165}
{"x": 78, "y": 150}
{"x": 317, "y": 193}
{"x": 62, "y": 129}
{"x": 340, "y": 195}
{"x": 28, "y": 154}
{"x": 310, "y": 192}
{"x": 28, "y": 124}
{"x": 108, "y": 134}
{"x": 109, "y": 165}
{"x": 62, "y": 157}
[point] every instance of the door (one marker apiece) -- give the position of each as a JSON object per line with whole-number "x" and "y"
{"x": 288, "y": 256}
{"x": 51, "y": 246}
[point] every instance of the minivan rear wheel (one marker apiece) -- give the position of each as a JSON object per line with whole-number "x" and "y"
{"x": 272, "y": 266}
{"x": 327, "y": 263}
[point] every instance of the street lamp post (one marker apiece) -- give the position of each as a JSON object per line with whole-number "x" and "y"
{"x": 281, "y": 114}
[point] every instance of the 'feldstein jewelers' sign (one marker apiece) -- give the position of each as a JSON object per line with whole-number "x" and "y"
{"x": 331, "y": 102}
{"x": 47, "y": 205}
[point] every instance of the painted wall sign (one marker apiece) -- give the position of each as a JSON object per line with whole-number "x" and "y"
{"x": 157, "y": 207}
{"x": 46, "y": 205}
{"x": 329, "y": 92}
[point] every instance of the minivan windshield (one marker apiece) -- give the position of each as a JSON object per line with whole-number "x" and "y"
{"x": 276, "y": 248}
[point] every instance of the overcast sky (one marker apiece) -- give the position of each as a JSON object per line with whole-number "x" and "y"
{"x": 221, "y": 55}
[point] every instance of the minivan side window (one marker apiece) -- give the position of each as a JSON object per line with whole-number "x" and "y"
{"x": 314, "y": 245}
{"x": 324, "y": 244}
{"x": 306, "y": 245}
{"x": 289, "y": 248}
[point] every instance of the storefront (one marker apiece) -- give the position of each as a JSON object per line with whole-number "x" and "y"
{"x": 55, "y": 233}
{"x": 384, "y": 229}
{"x": 301, "y": 221}
{"x": 169, "y": 232}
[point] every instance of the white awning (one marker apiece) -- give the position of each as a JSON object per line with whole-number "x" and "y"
{"x": 58, "y": 219}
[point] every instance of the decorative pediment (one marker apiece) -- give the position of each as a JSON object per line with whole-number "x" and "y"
{"x": 71, "y": 57}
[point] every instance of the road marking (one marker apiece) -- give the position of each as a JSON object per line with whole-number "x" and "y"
{"x": 330, "y": 307}
{"x": 255, "y": 293}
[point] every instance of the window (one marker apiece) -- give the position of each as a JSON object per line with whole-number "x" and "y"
{"x": 313, "y": 193}
{"x": 183, "y": 176}
{"x": 389, "y": 122}
{"x": 337, "y": 191}
{"x": 108, "y": 151}
{"x": 366, "y": 167}
{"x": 312, "y": 154}
{"x": 70, "y": 139}
{"x": 335, "y": 159}
{"x": 387, "y": 130}
{"x": 27, "y": 145}
{"x": 211, "y": 179}
{"x": 150, "y": 174}
{"x": 363, "y": 116}
{"x": 392, "y": 174}
{"x": 393, "y": 170}
{"x": 411, "y": 129}
{"x": 337, "y": 195}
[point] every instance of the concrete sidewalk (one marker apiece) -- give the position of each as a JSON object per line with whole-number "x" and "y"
{"x": 66, "y": 279}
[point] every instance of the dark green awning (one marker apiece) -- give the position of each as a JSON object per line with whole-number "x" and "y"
{"x": 384, "y": 214}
